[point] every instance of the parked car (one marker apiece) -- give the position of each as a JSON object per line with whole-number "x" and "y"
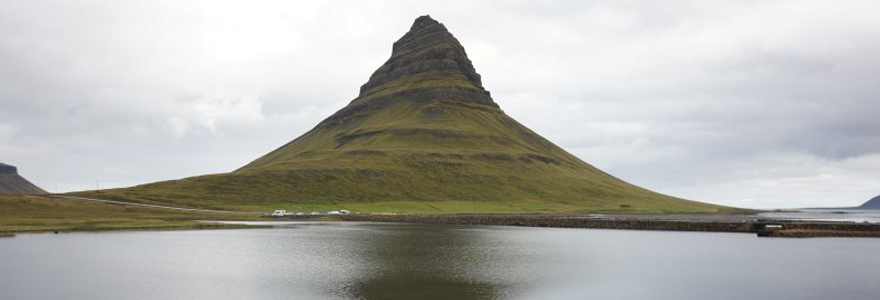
{"x": 344, "y": 212}
{"x": 299, "y": 213}
{"x": 334, "y": 212}
{"x": 279, "y": 213}
{"x": 314, "y": 213}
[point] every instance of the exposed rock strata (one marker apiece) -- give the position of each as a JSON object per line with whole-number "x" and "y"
{"x": 427, "y": 47}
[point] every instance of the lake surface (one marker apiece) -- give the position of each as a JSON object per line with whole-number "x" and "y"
{"x": 400, "y": 261}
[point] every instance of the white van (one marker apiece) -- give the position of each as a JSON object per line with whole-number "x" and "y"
{"x": 279, "y": 213}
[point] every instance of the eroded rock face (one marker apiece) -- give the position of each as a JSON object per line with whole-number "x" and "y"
{"x": 427, "y": 47}
{"x": 451, "y": 94}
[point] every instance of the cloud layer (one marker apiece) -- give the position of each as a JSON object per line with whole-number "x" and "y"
{"x": 745, "y": 103}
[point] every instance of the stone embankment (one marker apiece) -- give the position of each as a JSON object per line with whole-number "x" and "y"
{"x": 744, "y": 223}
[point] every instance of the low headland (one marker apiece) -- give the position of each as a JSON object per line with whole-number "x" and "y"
{"x": 65, "y": 214}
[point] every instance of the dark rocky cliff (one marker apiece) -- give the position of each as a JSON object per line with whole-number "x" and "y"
{"x": 13, "y": 184}
{"x": 427, "y": 47}
{"x": 7, "y": 169}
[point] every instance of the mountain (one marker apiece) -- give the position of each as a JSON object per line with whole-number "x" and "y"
{"x": 874, "y": 203}
{"x": 422, "y": 135}
{"x": 13, "y": 184}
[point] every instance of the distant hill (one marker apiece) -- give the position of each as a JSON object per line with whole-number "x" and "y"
{"x": 423, "y": 135}
{"x": 13, "y": 184}
{"x": 874, "y": 203}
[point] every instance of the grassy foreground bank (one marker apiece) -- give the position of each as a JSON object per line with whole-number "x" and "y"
{"x": 403, "y": 206}
{"x": 35, "y": 213}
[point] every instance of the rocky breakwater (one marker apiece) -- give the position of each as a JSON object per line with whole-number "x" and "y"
{"x": 800, "y": 229}
{"x": 741, "y": 222}
{"x": 556, "y": 220}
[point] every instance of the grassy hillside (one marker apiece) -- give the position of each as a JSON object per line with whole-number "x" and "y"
{"x": 422, "y": 136}
{"x": 413, "y": 155}
{"x": 32, "y": 213}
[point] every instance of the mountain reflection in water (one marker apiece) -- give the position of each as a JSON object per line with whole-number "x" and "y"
{"x": 404, "y": 261}
{"x": 420, "y": 262}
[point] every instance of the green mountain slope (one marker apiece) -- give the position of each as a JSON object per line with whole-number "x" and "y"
{"x": 423, "y": 135}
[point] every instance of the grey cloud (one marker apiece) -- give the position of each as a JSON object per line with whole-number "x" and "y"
{"x": 766, "y": 103}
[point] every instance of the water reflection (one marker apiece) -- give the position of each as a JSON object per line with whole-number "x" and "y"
{"x": 423, "y": 262}
{"x": 395, "y": 261}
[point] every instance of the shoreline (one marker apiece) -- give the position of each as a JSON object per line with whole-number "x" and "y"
{"x": 717, "y": 222}
{"x": 172, "y": 227}
{"x": 751, "y": 223}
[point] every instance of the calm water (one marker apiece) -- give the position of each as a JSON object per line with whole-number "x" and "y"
{"x": 393, "y": 261}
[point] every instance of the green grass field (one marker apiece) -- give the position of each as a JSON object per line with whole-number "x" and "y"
{"x": 466, "y": 207}
{"x": 32, "y": 213}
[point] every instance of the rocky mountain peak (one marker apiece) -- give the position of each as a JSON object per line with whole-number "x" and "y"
{"x": 424, "y": 32}
{"x": 426, "y": 52}
{"x": 424, "y": 21}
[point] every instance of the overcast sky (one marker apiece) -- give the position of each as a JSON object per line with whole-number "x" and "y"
{"x": 747, "y": 103}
